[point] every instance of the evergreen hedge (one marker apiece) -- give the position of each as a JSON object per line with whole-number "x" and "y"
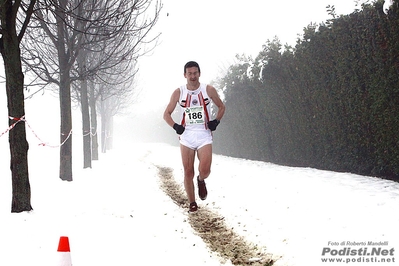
{"x": 331, "y": 102}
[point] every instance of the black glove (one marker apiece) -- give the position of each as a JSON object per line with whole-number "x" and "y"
{"x": 213, "y": 124}
{"x": 179, "y": 128}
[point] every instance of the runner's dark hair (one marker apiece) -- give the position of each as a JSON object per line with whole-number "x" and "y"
{"x": 191, "y": 64}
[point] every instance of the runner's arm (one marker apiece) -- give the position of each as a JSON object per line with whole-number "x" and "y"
{"x": 167, "y": 115}
{"x": 212, "y": 93}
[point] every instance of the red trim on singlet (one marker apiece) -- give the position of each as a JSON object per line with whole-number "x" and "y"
{"x": 187, "y": 104}
{"x": 202, "y": 102}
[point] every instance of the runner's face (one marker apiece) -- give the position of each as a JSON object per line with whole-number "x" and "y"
{"x": 192, "y": 74}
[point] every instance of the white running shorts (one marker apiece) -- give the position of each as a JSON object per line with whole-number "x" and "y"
{"x": 196, "y": 139}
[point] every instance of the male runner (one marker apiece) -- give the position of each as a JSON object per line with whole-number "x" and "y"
{"x": 195, "y": 128}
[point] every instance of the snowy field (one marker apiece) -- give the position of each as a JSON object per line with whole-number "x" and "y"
{"x": 117, "y": 214}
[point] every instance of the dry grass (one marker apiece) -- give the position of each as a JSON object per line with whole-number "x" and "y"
{"x": 211, "y": 227}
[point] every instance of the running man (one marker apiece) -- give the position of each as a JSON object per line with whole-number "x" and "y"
{"x": 195, "y": 128}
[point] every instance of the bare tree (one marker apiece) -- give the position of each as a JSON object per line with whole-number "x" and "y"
{"x": 15, "y": 16}
{"x": 64, "y": 29}
{"x": 112, "y": 102}
{"x": 110, "y": 59}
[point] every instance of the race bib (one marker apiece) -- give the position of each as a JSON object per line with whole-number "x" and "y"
{"x": 195, "y": 115}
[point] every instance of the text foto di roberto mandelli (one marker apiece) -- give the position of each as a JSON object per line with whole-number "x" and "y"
{"x": 356, "y": 243}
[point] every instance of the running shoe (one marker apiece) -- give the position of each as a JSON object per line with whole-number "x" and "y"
{"x": 202, "y": 192}
{"x": 193, "y": 207}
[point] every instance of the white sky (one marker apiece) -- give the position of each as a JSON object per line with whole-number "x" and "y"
{"x": 213, "y": 32}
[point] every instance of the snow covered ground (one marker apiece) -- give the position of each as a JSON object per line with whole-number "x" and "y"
{"x": 117, "y": 214}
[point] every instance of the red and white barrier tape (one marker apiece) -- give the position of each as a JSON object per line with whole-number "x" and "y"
{"x": 17, "y": 120}
{"x": 89, "y": 133}
{"x": 42, "y": 143}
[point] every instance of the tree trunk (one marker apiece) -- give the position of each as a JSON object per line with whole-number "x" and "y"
{"x": 106, "y": 125}
{"x": 110, "y": 132}
{"x": 103, "y": 127}
{"x": 65, "y": 99}
{"x": 93, "y": 122}
{"x": 84, "y": 101}
{"x": 85, "y": 126}
{"x": 66, "y": 128}
{"x": 21, "y": 193}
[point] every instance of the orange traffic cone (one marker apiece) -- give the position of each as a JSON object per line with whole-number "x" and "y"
{"x": 64, "y": 252}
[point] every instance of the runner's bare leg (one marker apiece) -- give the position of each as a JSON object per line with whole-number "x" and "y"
{"x": 205, "y": 161}
{"x": 188, "y": 157}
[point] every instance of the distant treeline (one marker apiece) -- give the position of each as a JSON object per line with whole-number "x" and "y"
{"x": 331, "y": 102}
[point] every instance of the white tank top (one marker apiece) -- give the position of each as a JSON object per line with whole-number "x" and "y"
{"x": 195, "y": 107}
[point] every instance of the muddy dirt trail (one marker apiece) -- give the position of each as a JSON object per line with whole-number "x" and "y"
{"x": 210, "y": 226}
